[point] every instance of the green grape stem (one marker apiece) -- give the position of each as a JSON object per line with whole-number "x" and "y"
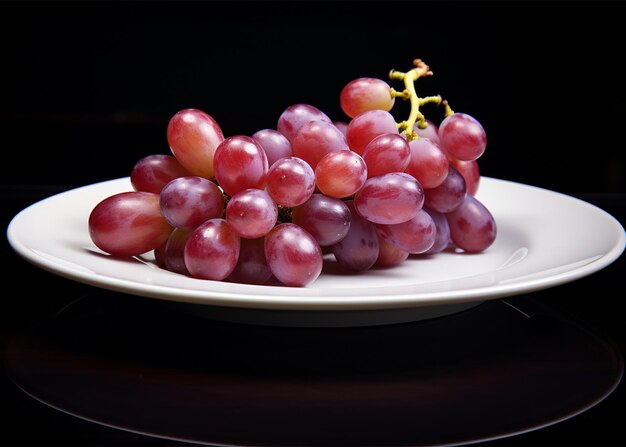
{"x": 415, "y": 115}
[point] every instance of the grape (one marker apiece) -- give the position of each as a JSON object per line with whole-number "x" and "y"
{"x": 389, "y": 255}
{"x": 297, "y": 115}
{"x": 340, "y": 174}
{"x": 428, "y": 164}
{"x": 293, "y": 255}
{"x": 251, "y": 213}
{"x": 389, "y": 199}
{"x": 240, "y": 163}
{"x": 358, "y": 250}
{"x": 290, "y": 181}
{"x": 365, "y": 127}
{"x": 462, "y": 137}
{"x": 252, "y": 266}
{"x": 470, "y": 172}
{"x": 128, "y": 224}
{"x": 159, "y": 255}
{"x": 442, "y": 237}
{"x": 431, "y": 131}
{"x": 153, "y": 172}
{"x": 315, "y": 139}
{"x": 386, "y": 153}
{"x": 342, "y": 126}
{"x": 193, "y": 136}
{"x": 212, "y": 250}
{"x": 416, "y": 235}
{"x": 186, "y": 202}
{"x": 274, "y": 144}
{"x": 325, "y": 218}
{"x": 449, "y": 195}
{"x": 364, "y": 94}
{"x": 175, "y": 251}
{"x": 472, "y": 226}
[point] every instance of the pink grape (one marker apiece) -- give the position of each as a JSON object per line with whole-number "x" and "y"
{"x": 365, "y": 127}
{"x": 325, "y": 218}
{"x": 153, "y": 172}
{"x": 186, "y": 202}
{"x": 293, "y": 255}
{"x": 128, "y": 224}
{"x": 240, "y": 163}
{"x": 470, "y": 172}
{"x": 252, "y": 266}
{"x": 472, "y": 226}
{"x": 416, "y": 235}
{"x": 251, "y": 213}
{"x": 290, "y": 181}
{"x": 442, "y": 237}
{"x": 340, "y": 174}
{"x": 389, "y": 199}
{"x": 193, "y": 136}
{"x": 315, "y": 139}
{"x": 358, "y": 250}
{"x": 449, "y": 195}
{"x": 364, "y": 94}
{"x": 175, "y": 251}
{"x": 428, "y": 164}
{"x": 431, "y": 131}
{"x": 342, "y": 126}
{"x": 297, "y": 115}
{"x": 386, "y": 153}
{"x": 389, "y": 255}
{"x": 212, "y": 250}
{"x": 274, "y": 143}
{"x": 462, "y": 137}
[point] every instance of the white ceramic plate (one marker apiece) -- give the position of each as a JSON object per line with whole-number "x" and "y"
{"x": 544, "y": 239}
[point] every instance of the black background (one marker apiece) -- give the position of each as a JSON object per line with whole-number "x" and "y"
{"x": 88, "y": 89}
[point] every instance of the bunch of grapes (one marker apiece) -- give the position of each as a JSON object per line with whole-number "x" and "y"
{"x": 251, "y": 209}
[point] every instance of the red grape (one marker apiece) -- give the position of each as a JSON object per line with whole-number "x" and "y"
{"x": 416, "y": 235}
{"x": 293, "y": 255}
{"x": 212, "y": 250}
{"x": 462, "y": 137}
{"x": 193, "y": 136}
{"x": 340, "y": 174}
{"x": 153, "y": 172}
{"x": 186, "y": 202}
{"x": 290, "y": 181}
{"x": 358, "y": 250}
{"x": 428, "y": 164}
{"x": 274, "y": 143}
{"x": 128, "y": 224}
{"x": 240, "y": 163}
{"x": 364, "y": 94}
{"x": 325, "y": 218}
{"x": 386, "y": 153}
{"x": 472, "y": 226}
{"x": 251, "y": 213}
{"x": 389, "y": 199}
{"x": 447, "y": 196}
{"x": 252, "y": 266}
{"x": 470, "y": 172}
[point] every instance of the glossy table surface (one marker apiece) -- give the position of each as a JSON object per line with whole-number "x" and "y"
{"x": 89, "y": 367}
